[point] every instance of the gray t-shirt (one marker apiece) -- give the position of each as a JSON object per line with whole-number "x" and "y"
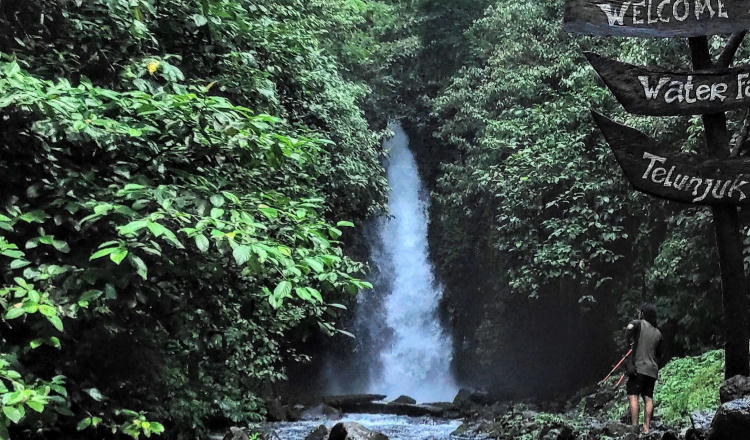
{"x": 648, "y": 349}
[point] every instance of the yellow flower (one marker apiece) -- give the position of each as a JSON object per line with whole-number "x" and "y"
{"x": 152, "y": 66}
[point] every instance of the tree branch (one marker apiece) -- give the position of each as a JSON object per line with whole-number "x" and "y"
{"x": 727, "y": 55}
{"x": 740, "y": 142}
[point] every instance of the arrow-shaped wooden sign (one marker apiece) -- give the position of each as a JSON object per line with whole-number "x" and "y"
{"x": 681, "y": 177}
{"x": 656, "y": 18}
{"x": 645, "y": 92}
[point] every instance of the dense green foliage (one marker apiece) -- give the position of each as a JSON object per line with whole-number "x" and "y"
{"x": 177, "y": 177}
{"x": 687, "y": 385}
{"x": 527, "y": 193}
{"x": 164, "y": 240}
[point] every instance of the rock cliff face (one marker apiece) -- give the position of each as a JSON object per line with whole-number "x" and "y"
{"x": 512, "y": 346}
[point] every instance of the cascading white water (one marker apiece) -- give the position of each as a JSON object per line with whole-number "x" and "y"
{"x": 415, "y": 351}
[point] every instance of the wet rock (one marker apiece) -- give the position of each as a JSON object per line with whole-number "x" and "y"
{"x": 695, "y": 434}
{"x": 462, "y": 430}
{"x": 451, "y": 413}
{"x": 275, "y": 411}
{"x": 236, "y": 433}
{"x": 734, "y": 388}
{"x": 564, "y": 433}
{"x": 615, "y": 429}
{"x": 463, "y": 398}
{"x": 702, "y": 419}
{"x": 481, "y": 397}
{"x": 294, "y": 413}
{"x": 319, "y": 433}
{"x": 398, "y": 409}
{"x": 354, "y": 431}
{"x": 321, "y": 412}
{"x": 732, "y": 421}
{"x": 351, "y": 399}
{"x": 404, "y": 399}
{"x": 498, "y": 409}
{"x": 595, "y": 402}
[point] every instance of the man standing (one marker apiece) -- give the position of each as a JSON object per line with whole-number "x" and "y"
{"x": 643, "y": 369}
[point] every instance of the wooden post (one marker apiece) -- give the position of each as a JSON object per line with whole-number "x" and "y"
{"x": 728, "y": 240}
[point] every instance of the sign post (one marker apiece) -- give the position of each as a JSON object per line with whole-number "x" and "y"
{"x": 710, "y": 89}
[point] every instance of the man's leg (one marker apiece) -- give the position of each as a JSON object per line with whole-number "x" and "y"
{"x": 634, "y": 410}
{"x": 648, "y": 411}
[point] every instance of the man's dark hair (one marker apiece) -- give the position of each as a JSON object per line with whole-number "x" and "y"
{"x": 649, "y": 313}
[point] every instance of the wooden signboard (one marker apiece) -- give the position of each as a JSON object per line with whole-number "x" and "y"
{"x": 656, "y": 18}
{"x": 681, "y": 177}
{"x": 646, "y": 92}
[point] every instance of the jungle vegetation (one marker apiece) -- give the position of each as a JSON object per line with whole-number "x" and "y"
{"x": 184, "y": 185}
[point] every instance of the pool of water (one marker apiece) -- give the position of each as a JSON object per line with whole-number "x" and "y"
{"x": 395, "y": 427}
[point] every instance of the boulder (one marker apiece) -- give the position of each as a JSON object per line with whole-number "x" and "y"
{"x": 702, "y": 419}
{"x": 350, "y": 399}
{"x": 236, "y": 433}
{"x": 481, "y": 397}
{"x": 732, "y": 421}
{"x": 564, "y": 433}
{"x": 463, "y": 398}
{"x": 275, "y": 410}
{"x": 615, "y": 429}
{"x": 695, "y": 434}
{"x": 319, "y": 433}
{"x": 320, "y": 412}
{"x": 669, "y": 435}
{"x": 354, "y": 431}
{"x": 734, "y": 388}
{"x": 595, "y": 402}
{"x": 404, "y": 399}
{"x": 294, "y": 412}
{"x": 398, "y": 409}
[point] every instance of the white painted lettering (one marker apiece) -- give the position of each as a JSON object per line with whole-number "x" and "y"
{"x": 701, "y": 6}
{"x": 653, "y": 93}
{"x": 688, "y": 89}
{"x": 613, "y": 16}
{"x": 680, "y": 184}
{"x": 674, "y": 93}
{"x": 723, "y": 190}
{"x": 668, "y": 182}
{"x": 709, "y": 183}
{"x": 736, "y": 185}
{"x": 718, "y": 90}
{"x": 660, "y": 11}
{"x": 703, "y": 92}
{"x": 685, "y": 9}
{"x": 722, "y": 11}
{"x": 653, "y": 158}
{"x": 650, "y": 18}
{"x": 658, "y": 175}
{"x": 637, "y": 9}
{"x": 740, "y": 81}
{"x": 698, "y": 182}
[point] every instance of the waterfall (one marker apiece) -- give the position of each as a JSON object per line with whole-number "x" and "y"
{"x": 410, "y": 352}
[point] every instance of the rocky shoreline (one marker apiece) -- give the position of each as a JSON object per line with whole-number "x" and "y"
{"x": 593, "y": 414}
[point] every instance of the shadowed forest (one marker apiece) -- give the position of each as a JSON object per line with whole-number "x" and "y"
{"x": 187, "y": 187}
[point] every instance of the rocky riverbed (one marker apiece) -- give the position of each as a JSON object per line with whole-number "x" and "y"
{"x": 593, "y": 414}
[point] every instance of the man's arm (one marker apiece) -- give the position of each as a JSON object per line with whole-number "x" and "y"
{"x": 631, "y": 332}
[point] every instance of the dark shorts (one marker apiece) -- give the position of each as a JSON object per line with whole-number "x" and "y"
{"x": 640, "y": 385}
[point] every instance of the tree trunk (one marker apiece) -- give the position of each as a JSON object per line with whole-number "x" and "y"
{"x": 728, "y": 240}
